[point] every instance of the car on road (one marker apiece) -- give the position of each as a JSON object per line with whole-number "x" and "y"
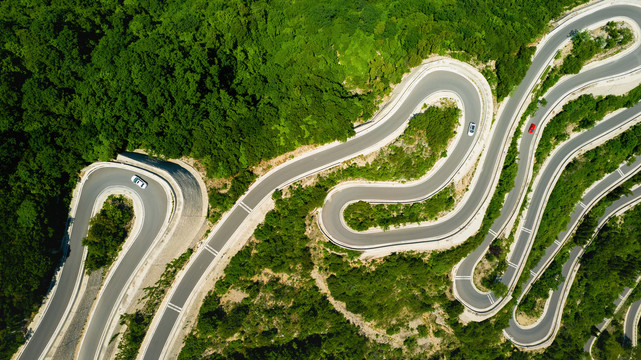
{"x": 139, "y": 181}
{"x": 532, "y": 127}
{"x": 471, "y": 129}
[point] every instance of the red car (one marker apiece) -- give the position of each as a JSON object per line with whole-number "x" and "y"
{"x": 532, "y": 127}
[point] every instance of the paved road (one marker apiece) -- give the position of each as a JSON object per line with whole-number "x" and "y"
{"x": 155, "y": 210}
{"x": 547, "y": 326}
{"x": 96, "y": 337}
{"x": 169, "y": 316}
{"x": 631, "y": 324}
{"x": 66, "y": 291}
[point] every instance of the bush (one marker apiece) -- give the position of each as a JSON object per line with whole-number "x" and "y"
{"x": 107, "y": 231}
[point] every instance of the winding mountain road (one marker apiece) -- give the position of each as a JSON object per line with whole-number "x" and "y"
{"x": 440, "y": 76}
{"x": 100, "y": 178}
{"x": 164, "y": 328}
{"x": 173, "y": 196}
{"x": 543, "y": 331}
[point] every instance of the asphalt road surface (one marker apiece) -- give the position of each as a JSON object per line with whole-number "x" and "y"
{"x": 631, "y": 323}
{"x": 66, "y": 291}
{"x": 480, "y": 302}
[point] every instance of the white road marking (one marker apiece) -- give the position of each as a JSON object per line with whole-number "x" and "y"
{"x": 557, "y": 243}
{"x": 244, "y": 206}
{"x": 492, "y": 233}
{"x": 489, "y": 296}
{"x": 211, "y": 250}
{"x": 582, "y": 204}
{"x": 532, "y": 273}
{"x": 620, "y": 172}
{"x": 526, "y": 230}
{"x": 462, "y": 278}
{"x": 509, "y": 263}
{"x": 173, "y": 307}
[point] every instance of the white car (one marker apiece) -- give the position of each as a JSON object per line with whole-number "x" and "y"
{"x": 471, "y": 129}
{"x": 139, "y": 181}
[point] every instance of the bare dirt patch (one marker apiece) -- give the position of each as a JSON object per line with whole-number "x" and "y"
{"x": 232, "y": 297}
{"x": 483, "y": 269}
{"x": 461, "y": 187}
{"x": 525, "y": 320}
{"x": 264, "y": 166}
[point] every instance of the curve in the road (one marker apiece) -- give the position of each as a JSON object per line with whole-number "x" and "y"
{"x": 414, "y": 91}
{"x": 485, "y": 304}
{"x": 158, "y": 207}
{"x": 156, "y": 219}
{"x": 97, "y": 178}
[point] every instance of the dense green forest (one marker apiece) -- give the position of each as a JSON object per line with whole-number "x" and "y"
{"x": 228, "y": 82}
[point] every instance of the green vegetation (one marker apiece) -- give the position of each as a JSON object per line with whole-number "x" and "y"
{"x": 578, "y": 175}
{"x": 581, "y": 113}
{"x": 587, "y": 227}
{"x": 409, "y": 157}
{"x": 265, "y": 274}
{"x": 611, "y": 346}
{"x": 107, "y": 231}
{"x": 611, "y": 342}
{"x": 267, "y": 304}
{"x": 498, "y": 250}
{"x": 584, "y": 48}
{"x": 362, "y": 216}
{"x": 416, "y": 151}
{"x": 551, "y": 278}
{"x": 611, "y": 262}
{"x": 222, "y": 200}
{"x": 280, "y": 314}
{"x": 138, "y": 322}
{"x": 228, "y": 82}
{"x": 497, "y": 256}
